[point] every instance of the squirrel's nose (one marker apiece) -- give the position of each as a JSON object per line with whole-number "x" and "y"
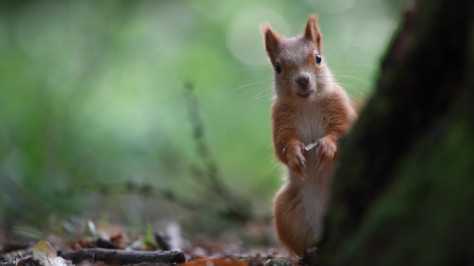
{"x": 302, "y": 81}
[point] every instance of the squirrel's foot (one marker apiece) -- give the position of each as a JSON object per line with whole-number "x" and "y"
{"x": 325, "y": 151}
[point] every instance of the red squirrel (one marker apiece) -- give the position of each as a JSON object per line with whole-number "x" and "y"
{"x": 310, "y": 112}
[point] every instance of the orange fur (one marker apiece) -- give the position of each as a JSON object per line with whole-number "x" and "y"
{"x": 309, "y": 106}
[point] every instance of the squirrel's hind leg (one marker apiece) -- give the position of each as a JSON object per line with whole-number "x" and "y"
{"x": 290, "y": 222}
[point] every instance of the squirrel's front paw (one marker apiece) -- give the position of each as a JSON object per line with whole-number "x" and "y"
{"x": 326, "y": 150}
{"x": 296, "y": 160}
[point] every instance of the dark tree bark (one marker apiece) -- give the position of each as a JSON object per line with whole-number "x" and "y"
{"x": 403, "y": 193}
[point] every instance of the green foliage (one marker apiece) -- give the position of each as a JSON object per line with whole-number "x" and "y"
{"x": 93, "y": 93}
{"x": 149, "y": 239}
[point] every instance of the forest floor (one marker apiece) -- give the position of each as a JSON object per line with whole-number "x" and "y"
{"x": 113, "y": 245}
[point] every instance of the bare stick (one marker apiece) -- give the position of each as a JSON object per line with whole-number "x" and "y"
{"x": 114, "y": 256}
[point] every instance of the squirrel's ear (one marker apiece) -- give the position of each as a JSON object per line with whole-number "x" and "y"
{"x": 313, "y": 33}
{"x": 272, "y": 40}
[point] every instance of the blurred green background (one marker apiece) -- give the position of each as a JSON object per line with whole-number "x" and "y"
{"x": 94, "y": 117}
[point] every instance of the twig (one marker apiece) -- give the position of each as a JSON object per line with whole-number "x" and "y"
{"x": 110, "y": 256}
{"x": 7, "y": 263}
{"x": 212, "y": 172}
{"x": 26, "y": 261}
{"x": 236, "y": 207}
{"x": 129, "y": 187}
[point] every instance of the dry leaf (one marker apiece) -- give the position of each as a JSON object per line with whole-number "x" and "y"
{"x": 45, "y": 254}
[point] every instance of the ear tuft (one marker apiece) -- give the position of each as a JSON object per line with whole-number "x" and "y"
{"x": 272, "y": 40}
{"x": 313, "y": 33}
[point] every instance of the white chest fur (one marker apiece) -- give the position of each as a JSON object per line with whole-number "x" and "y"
{"x": 310, "y": 124}
{"x": 310, "y": 127}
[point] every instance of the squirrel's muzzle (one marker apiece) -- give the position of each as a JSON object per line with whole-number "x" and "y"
{"x": 302, "y": 82}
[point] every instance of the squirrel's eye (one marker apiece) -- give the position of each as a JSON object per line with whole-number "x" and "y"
{"x": 278, "y": 68}
{"x": 318, "y": 59}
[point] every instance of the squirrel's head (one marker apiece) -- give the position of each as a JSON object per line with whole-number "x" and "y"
{"x": 300, "y": 70}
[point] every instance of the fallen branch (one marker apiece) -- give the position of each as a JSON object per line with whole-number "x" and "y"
{"x": 112, "y": 256}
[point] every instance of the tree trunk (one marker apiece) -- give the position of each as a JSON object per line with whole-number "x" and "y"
{"x": 403, "y": 193}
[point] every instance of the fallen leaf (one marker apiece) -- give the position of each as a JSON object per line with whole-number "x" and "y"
{"x": 45, "y": 254}
{"x": 215, "y": 262}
